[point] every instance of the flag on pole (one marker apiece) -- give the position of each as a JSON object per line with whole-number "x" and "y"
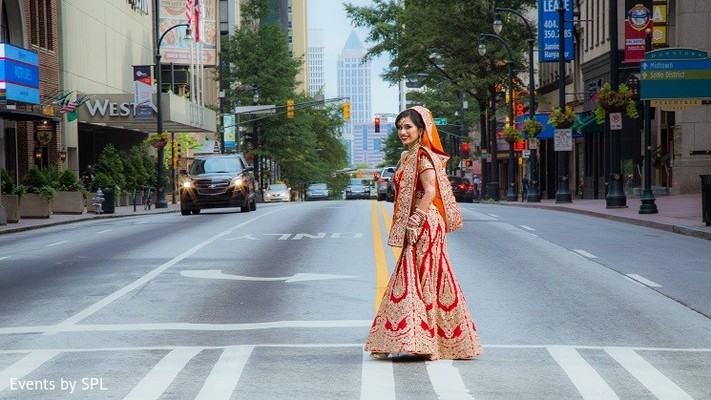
{"x": 62, "y": 97}
{"x": 189, "y": 12}
{"x": 197, "y": 8}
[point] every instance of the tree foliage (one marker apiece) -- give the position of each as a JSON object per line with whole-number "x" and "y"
{"x": 418, "y": 36}
{"x": 306, "y": 148}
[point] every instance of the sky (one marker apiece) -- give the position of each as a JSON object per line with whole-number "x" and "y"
{"x": 330, "y": 16}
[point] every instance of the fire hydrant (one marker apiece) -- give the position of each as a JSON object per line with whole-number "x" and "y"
{"x": 98, "y": 201}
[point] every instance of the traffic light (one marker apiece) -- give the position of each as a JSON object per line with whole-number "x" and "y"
{"x": 377, "y": 124}
{"x": 346, "y": 110}
{"x": 464, "y": 150}
{"x": 290, "y": 109}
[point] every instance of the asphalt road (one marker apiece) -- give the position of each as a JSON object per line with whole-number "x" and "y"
{"x": 276, "y": 304}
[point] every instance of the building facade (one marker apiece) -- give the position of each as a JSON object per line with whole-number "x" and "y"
{"x": 316, "y": 63}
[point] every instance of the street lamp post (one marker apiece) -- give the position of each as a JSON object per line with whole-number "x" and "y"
{"x": 534, "y": 195}
{"x": 160, "y": 187}
{"x": 648, "y": 205}
{"x": 615, "y": 194}
{"x": 511, "y": 191}
{"x": 255, "y": 98}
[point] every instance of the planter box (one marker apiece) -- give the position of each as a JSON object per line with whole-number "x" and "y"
{"x": 11, "y": 202}
{"x": 33, "y": 206}
{"x": 68, "y": 203}
{"x": 123, "y": 199}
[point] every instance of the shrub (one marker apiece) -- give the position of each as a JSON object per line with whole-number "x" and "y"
{"x": 8, "y": 184}
{"x": 36, "y": 181}
{"x": 68, "y": 181}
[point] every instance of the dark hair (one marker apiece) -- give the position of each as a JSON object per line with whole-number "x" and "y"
{"x": 414, "y": 116}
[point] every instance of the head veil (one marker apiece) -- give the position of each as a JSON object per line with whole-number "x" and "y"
{"x": 431, "y": 147}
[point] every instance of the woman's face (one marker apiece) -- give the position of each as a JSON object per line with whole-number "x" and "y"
{"x": 408, "y": 132}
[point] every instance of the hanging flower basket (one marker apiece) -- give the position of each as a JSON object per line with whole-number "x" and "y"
{"x": 562, "y": 119}
{"x": 511, "y": 134}
{"x": 609, "y": 101}
{"x": 158, "y": 140}
{"x": 531, "y": 127}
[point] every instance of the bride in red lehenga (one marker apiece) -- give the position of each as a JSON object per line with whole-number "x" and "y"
{"x": 423, "y": 311}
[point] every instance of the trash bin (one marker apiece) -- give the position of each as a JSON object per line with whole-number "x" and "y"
{"x": 706, "y": 199}
{"x": 109, "y": 205}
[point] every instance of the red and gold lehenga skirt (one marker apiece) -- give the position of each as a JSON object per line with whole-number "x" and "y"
{"x": 423, "y": 310}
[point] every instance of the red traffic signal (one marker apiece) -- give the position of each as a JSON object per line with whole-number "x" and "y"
{"x": 464, "y": 150}
{"x": 377, "y": 124}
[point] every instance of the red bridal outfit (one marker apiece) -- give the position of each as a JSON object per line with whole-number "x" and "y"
{"x": 423, "y": 310}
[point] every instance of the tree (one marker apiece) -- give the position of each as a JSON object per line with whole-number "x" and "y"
{"x": 417, "y": 36}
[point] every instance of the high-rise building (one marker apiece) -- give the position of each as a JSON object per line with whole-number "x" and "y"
{"x": 354, "y": 82}
{"x": 316, "y": 62}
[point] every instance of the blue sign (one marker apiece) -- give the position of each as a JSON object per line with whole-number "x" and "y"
{"x": 675, "y": 79}
{"x": 19, "y": 74}
{"x": 549, "y": 30}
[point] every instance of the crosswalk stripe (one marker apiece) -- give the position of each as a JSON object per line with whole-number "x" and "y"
{"x": 657, "y": 383}
{"x": 377, "y": 379}
{"x": 224, "y": 376}
{"x": 447, "y": 381}
{"x": 589, "y": 383}
{"x": 162, "y": 375}
{"x": 24, "y": 366}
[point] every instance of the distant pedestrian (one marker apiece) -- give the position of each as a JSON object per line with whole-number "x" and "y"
{"x": 88, "y": 177}
{"x": 524, "y": 187}
{"x": 477, "y": 187}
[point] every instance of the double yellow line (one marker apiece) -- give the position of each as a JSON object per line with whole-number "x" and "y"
{"x": 381, "y": 265}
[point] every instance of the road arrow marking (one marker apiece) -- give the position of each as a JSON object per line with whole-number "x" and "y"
{"x": 301, "y": 277}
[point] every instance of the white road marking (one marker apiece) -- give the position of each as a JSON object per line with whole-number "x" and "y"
{"x": 57, "y": 243}
{"x": 493, "y": 215}
{"x": 377, "y": 379}
{"x": 223, "y": 378}
{"x": 526, "y": 227}
{"x": 162, "y": 375}
{"x": 447, "y": 381}
{"x": 589, "y": 383}
{"x": 585, "y": 253}
{"x": 104, "y": 231}
{"x": 657, "y": 383}
{"x": 150, "y": 275}
{"x": 643, "y": 280}
{"x": 300, "y": 277}
{"x": 4, "y": 258}
{"x": 24, "y": 366}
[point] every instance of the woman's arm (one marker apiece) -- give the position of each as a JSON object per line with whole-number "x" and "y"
{"x": 427, "y": 178}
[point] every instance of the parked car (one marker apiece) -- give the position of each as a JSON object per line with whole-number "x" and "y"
{"x": 216, "y": 181}
{"x": 317, "y": 191}
{"x": 383, "y": 182}
{"x": 356, "y": 189}
{"x": 462, "y": 188}
{"x": 277, "y": 192}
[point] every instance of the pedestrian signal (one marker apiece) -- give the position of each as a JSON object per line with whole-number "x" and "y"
{"x": 377, "y": 124}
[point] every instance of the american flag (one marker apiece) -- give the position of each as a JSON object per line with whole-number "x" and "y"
{"x": 197, "y": 8}
{"x": 189, "y": 12}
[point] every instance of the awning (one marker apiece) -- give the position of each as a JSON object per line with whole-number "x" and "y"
{"x": 548, "y": 130}
{"x": 26, "y": 114}
{"x": 588, "y": 125}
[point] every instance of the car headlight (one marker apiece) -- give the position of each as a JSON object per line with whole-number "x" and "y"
{"x": 237, "y": 181}
{"x": 187, "y": 184}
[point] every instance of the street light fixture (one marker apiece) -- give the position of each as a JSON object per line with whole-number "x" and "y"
{"x": 648, "y": 205}
{"x": 160, "y": 187}
{"x": 562, "y": 194}
{"x": 511, "y": 191}
{"x": 534, "y": 195}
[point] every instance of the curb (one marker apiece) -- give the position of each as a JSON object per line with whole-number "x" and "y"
{"x": 86, "y": 217}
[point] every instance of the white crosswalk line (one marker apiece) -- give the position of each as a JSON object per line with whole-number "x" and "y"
{"x": 446, "y": 381}
{"x": 377, "y": 379}
{"x": 24, "y": 366}
{"x": 224, "y": 376}
{"x": 657, "y": 383}
{"x": 589, "y": 383}
{"x": 162, "y": 375}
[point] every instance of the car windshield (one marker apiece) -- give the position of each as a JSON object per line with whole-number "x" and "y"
{"x": 388, "y": 172}
{"x": 214, "y": 166}
{"x": 318, "y": 186}
{"x": 357, "y": 182}
{"x": 277, "y": 186}
{"x": 455, "y": 179}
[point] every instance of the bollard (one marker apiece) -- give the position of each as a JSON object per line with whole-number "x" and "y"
{"x": 98, "y": 201}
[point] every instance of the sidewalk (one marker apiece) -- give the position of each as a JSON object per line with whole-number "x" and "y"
{"x": 59, "y": 219}
{"x": 678, "y": 214}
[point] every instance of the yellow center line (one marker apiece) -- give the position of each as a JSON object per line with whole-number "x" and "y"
{"x": 388, "y": 224}
{"x": 381, "y": 265}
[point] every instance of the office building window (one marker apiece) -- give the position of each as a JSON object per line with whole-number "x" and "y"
{"x": 41, "y": 24}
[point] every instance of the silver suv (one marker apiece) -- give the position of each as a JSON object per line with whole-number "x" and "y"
{"x": 385, "y": 189}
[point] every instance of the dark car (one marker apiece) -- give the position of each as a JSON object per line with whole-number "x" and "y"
{"x": 357, "y": 189}
{"x": 317, "y": 191}
{"x": 216, "y": 181}
{"x": 383, "y": 183}
{"x": 462, "y": 188}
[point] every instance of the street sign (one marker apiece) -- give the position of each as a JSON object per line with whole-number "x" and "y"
{"x": 563, "y": 140}
{"x": 675, "y": 74}
{"x": 440, "y": 121}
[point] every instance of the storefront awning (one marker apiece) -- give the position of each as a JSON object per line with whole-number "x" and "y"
{"x": 117, "y": 110}
{"x": 588, "y": 125}
{"x": 22, "y": 113}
